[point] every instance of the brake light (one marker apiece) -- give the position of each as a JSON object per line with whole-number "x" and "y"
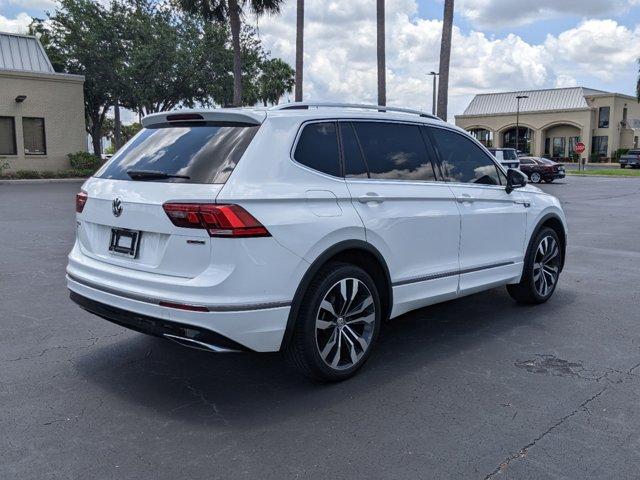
{"x": 229, "y": 221}
{"x": 81, "y": 199}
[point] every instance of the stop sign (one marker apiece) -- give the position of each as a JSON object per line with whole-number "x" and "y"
{"x": 579, "y": 148}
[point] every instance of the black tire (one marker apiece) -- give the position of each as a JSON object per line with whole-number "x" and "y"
{"x": 622, "y": 166}
{"x": 303, "y": 351}
{"x": 535, "y": 177}
{"x": 529, "y": 289}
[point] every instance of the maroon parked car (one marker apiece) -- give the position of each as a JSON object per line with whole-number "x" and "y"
{"x": 541, "y": 169}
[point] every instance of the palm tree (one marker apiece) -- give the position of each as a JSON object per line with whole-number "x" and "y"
{"x": 299, "y": 49}
{"x": 638, "y": 85}
{"x": 445, "y": 57}
{"x": 231, "y": 11}
{"x": 382, "y": 69}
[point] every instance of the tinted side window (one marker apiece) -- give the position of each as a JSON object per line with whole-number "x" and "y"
{"x": 394, "y": 151}
{"x": 354, "y": 166}
{"x": 462, "y": 160}
{"x": 318, "y": 148}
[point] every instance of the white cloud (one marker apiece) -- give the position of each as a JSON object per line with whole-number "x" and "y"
{"x": 597, "y": 47}
{"x": 340, "y": 54}
{"x": 504, "y": 13}
{"x": 30, "y": 4}
{"x": 18, "y": 24}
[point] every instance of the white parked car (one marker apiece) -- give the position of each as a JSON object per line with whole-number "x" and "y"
{"x": 302, "y": 228}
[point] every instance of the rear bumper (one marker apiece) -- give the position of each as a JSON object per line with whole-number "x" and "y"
{"x": 258, "y": 329}
{"x": 195, "y": 336}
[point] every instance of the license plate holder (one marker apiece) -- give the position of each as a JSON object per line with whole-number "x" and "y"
{"x": 125, "y": 242}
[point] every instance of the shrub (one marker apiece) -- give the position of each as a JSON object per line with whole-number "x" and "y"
{"x": 84, "y": 161}
{"x": 620, "y": 152}
{"x": 33, "y": 174}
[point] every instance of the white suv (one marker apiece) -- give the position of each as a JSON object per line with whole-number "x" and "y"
{"x": 302, "y": 228}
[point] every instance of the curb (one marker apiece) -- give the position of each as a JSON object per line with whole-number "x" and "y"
{"x": 29, "y": 181}
{"x": 602, "y": 176}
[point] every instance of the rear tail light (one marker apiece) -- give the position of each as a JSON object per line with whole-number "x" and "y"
{"x": 229, "y": 221}
{"x": 81, "y": 199}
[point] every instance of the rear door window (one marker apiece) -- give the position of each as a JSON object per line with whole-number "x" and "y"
{"x": 461, "y": 160}
{"x": 395, "y": 151}
{"x": 198, "y": 153}
{"x": 317, "y": 148}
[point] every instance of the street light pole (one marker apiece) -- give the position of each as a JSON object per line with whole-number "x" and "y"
{"x": 434, "y": 75}
{"x": 518, "y": 98}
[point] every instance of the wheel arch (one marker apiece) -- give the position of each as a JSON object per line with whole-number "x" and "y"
{"x": 356, "y": 252}
{"x": 553, "y": 221}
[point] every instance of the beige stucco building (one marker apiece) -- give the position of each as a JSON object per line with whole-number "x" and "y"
{"x": 553, "y": 121}
{"x": 41, "y": 111}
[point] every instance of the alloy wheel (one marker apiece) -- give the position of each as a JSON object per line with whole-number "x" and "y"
{"x": 535, "y": 177}
{"x": 345, "y": 323}
{"x": 546, "y": 266}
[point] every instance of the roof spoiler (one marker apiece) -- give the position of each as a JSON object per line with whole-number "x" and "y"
{"x": 231, "y": 115}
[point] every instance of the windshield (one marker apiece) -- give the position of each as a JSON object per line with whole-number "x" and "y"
{"x": 189, "y": 153}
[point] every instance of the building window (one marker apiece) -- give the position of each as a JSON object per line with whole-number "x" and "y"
{"x": 33, "y": 133}
{"x": 558, "y": 147}
{"x": 573, "y": 141}
{"x": 625, "y": 115}
{"x": 547, "y": 146}
{"x": 600, "y": 146}
{"x": 7, "y": 136}
{"x": 484, "y": 136}
{"x": 603, "y": 117}
{"x": 523, "y": 143}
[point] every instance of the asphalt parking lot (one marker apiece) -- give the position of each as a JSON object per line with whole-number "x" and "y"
{"x": 475, "y": 388}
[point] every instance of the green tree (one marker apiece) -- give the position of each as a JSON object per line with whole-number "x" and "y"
{"x": 231, "y": 12}
{"x": 158, "y": 74}
{"x": 83, "y": 38}
{"x": 277, "y": 79}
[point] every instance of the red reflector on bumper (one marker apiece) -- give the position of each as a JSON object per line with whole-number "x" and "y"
{"x": 181, "y": 306}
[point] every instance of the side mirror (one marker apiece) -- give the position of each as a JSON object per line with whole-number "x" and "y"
{"x": 515, "y": 179}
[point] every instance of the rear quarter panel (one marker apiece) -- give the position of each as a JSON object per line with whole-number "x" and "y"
{"x": 306, "y": 211}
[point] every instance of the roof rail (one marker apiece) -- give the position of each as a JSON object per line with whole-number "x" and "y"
{"x": 380, "y": 108}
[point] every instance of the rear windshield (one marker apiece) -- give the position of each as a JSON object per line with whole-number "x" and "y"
{"x": 197, "y": 153}
{"x": 509, "y": 155}
{"x": 633, "y": 152}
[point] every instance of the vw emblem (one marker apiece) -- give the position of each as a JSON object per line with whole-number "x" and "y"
{"x": 116, "y": 207}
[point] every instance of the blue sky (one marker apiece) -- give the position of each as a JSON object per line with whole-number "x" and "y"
{"x": 499, "y": 45}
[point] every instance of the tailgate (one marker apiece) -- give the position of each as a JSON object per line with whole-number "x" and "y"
{"x": 163, "y": 248}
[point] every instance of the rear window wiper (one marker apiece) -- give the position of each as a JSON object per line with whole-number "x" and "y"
{"x": 153, "y": 175}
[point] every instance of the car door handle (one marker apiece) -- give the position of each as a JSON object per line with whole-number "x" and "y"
{"x": 465, "y": 199}
{"x": 371, "y": 197}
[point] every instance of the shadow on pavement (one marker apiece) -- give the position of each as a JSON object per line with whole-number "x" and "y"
{"x": 253, "y": 390}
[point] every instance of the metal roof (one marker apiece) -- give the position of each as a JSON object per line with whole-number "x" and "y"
{"x": 23, "y": 53}
{"x": 539, "y": 100}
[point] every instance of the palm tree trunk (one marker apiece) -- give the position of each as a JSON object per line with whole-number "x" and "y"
{"x": 382, "y": 68}
{"x": 234, "y": 20}
{"x": 117, "y": 126}
{"x": 445, "y": 57}
{"x": 299, "y": 49}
